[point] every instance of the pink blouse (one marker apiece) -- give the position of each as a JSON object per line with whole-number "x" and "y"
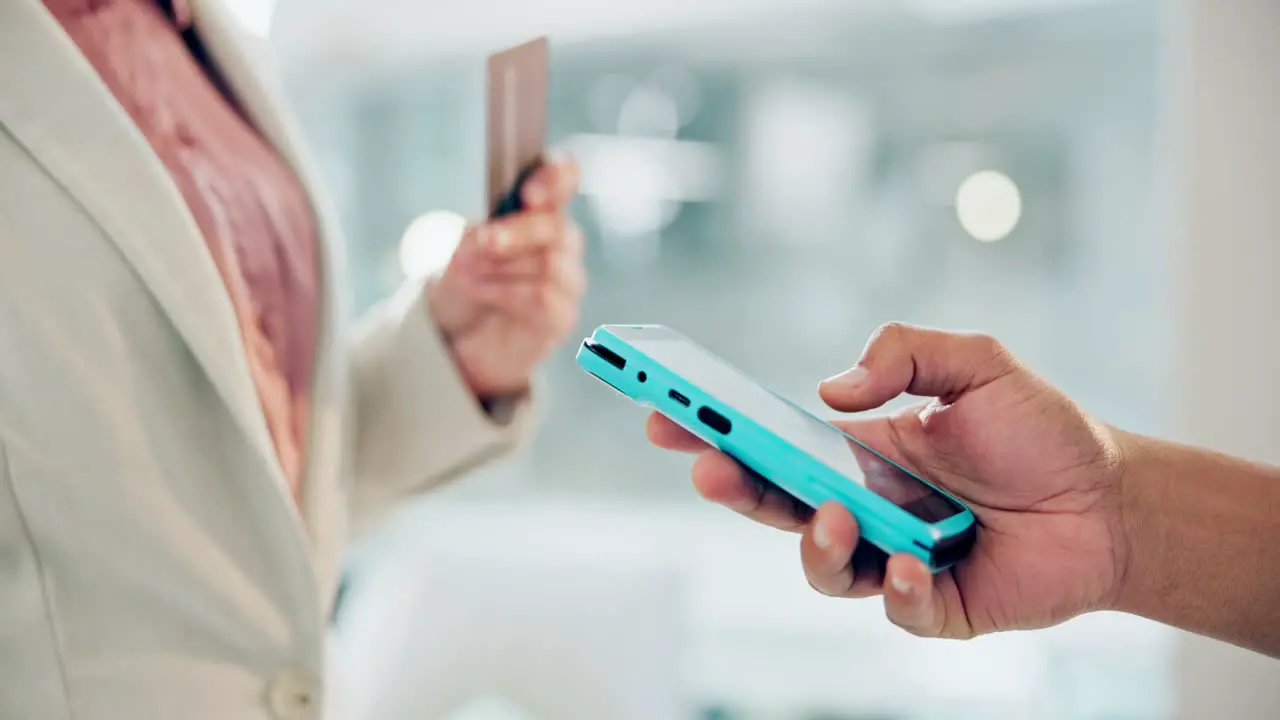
{"x": 254, "y": 215}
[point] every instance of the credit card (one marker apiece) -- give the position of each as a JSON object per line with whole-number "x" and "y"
{"x": 518, "y": 81}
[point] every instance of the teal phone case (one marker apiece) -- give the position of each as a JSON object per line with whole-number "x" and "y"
{"x": 646, "y": 382}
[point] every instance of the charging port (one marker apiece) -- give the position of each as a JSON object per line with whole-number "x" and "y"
{"x": 678, "y": 398}
{"x": 714, "y": 420}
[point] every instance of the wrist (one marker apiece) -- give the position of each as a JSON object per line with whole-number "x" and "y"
{"x": 450, "y": 325}
{"x": 1136, "y": 523}
{"x": 1200, "y": 528}
{"x": 439, "y": 312}
{"x": 495, "y": 395}
{"x": 1168, "y": 526}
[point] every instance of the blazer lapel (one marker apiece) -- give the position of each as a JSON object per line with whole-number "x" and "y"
{"x": 244, "y": 62}
{"x": 53, "y": 102}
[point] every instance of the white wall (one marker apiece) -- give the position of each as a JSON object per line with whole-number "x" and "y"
{"x": 1226, "y": 70}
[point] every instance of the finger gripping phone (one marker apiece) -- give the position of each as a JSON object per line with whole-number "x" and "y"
{"x": 812, "y": 460}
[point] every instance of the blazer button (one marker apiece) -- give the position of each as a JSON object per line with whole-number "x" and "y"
{"x": 293, "y": 696}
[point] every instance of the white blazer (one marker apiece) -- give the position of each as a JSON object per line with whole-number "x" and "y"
{"x": 152, "y": 563}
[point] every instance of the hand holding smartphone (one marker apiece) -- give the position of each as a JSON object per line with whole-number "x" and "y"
{"x": 809, "y": 459}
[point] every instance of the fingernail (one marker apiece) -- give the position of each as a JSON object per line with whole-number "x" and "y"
{"x": 900, "y": 585}
{"x": 849, "y": 378}
{"x": 821, "y": 537}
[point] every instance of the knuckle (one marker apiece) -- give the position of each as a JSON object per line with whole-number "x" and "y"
{"x": 821, "y": 585}
{"x": 902, "y": 618}
{"x": 991, "y": 351}
{"x": 890, "y": 332}
{"x": 987, "y": 344}
{"x": 905, "y": 625}
{"x": 882, "y": 339}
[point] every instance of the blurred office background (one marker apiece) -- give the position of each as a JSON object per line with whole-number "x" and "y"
{"x": 777, "y": 178}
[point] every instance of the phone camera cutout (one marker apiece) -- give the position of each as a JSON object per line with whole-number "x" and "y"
{"x": 641, "y": 376}
{"x": 714, "y": 420}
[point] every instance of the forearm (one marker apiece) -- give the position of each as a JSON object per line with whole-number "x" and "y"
{"x": 1203, "y": 534}
{"x": 417, "y": 423}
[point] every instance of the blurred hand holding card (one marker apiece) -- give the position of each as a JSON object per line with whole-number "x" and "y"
{"x": 518, "y": 81}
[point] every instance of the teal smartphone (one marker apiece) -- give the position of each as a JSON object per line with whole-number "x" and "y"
{"x": 804, "y": 456}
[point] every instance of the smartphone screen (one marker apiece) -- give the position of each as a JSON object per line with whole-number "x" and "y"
{"x": 826, "y": 443}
